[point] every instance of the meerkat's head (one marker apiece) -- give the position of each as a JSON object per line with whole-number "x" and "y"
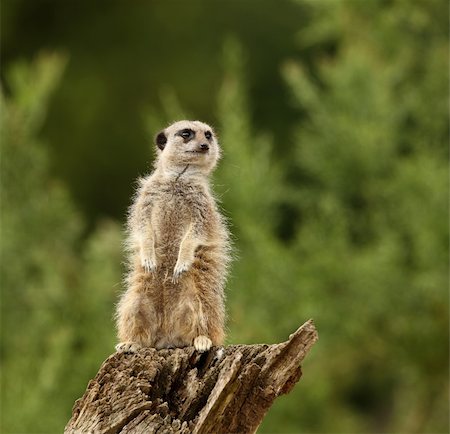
{"x": 188, "y": 144}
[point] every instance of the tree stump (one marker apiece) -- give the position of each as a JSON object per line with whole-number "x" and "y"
{"x": 225, "y": 390}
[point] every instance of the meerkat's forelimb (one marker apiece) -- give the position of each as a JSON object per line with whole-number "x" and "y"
{"x": 186, "y": 252}
{"x": 147, "y": 249}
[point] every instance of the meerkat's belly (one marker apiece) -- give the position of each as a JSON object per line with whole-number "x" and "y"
{"x": 170, "y": 221}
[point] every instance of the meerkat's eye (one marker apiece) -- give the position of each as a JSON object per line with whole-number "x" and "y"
{"x": 208, "y": 135}
{"x": 187, "y": 134}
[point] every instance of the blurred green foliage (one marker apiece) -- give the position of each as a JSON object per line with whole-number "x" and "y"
{"x": 337, "y": 198}
{"x": 57, "y": 285}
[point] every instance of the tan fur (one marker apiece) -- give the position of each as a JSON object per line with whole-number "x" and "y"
{"x": 178, "y": 251}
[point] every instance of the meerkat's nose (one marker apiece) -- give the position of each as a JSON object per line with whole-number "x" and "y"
{"x": 204, "y": 146}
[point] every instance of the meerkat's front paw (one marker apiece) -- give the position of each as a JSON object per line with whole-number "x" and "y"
{"x": 128, "y": 347}
{"x": 148, "y": 263}
{"x": 202, "y": 343}
{"x": 180, "y": 268}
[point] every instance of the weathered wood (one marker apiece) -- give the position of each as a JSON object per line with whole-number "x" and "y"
{"x": 225, "y": 390}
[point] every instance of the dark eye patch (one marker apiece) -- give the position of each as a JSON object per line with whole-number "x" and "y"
{"x": 187, "y": 134}
{"x": 208, "y": 135}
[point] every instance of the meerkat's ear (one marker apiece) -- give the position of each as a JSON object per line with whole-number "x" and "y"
{"x": 161, "y": 140}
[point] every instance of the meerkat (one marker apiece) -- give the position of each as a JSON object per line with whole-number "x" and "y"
{"x": 178, "y": 246}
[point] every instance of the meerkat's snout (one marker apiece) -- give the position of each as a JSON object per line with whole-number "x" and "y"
{"x": 204, "y": 147}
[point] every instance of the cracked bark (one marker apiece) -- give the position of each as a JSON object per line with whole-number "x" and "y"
{"x": 225, "y": 390}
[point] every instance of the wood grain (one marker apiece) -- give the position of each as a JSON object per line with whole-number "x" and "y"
{"x": 225, "y": 390}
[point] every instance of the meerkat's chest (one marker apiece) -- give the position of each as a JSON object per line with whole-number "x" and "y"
{"x": 174, "y": 210}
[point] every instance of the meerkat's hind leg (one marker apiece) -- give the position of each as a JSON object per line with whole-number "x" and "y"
{"x": 135, "y": 318}
{"x": 128, "y": 347}
{"x": 202, "y": 343}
